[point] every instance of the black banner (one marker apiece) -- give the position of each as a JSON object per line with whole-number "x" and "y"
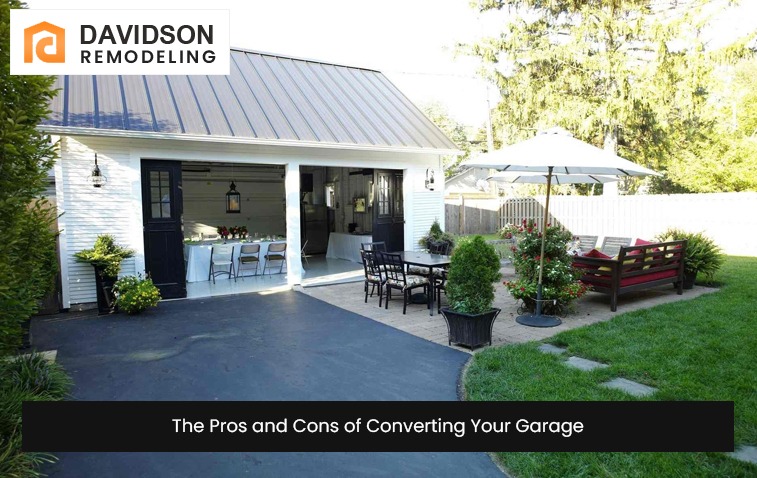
{"x": 377, "y": 426}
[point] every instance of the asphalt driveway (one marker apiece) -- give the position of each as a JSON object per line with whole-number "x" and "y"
{"x": 284, "y": 346}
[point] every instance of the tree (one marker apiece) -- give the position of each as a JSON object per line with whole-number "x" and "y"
{"x": 724, "y": 155}
{"x": 454, "y": 130}
{"x": 27, "y": 252}
{"x": 631, "y": 76}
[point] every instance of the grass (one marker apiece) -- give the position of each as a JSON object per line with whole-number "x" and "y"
{"x": 488, "y": 237}
{"x": 28, "y": 378}
{"x": 702, "y": 349}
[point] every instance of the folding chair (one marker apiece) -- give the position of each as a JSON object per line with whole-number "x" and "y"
{"x": 276, "y": 252}
{"x": 302, "y": 252}
{"x": 222, "y": 255}
{"x": 249, "y": 255}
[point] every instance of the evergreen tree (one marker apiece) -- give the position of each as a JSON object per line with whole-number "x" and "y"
{"x": 27, "y": 251}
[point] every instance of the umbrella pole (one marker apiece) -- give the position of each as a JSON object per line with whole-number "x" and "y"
{"x": 537, "y": 319}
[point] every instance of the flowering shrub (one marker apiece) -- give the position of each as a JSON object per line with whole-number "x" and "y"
{"x": 560, "y": 284}
{"x": 134, "y": 294}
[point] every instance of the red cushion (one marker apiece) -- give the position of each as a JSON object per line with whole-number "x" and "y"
{"x": 648, "y": 277}
{"x": 642, "y": 242}
{"x": 596, "y": 254}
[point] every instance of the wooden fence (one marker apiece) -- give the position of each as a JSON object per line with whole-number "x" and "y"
{"x": 472, "y": 216}
{"x": 730, "y": 219}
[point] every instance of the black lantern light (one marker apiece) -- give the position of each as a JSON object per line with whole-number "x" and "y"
{"x": 97, "y": 178}
{"x": 430, "y": 179}
{"x": 233, "y": 199}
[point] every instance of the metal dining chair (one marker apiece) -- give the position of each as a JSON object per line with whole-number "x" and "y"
{"x": 276, "y": 253}
{"x": 249, "y": 256}
{"x": 303, "y": 254}
{"x": 373, "y": 246}
{"x": 222, "y": 255}
{"x": 373, "y": 277}
{"x": 395, "y": 278}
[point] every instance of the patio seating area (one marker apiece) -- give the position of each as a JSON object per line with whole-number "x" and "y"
{"x": 591, "y": 308}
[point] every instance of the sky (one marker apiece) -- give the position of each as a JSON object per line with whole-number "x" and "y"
{"x": 411, "y": 41}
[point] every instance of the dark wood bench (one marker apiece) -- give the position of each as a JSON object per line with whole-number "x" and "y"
{"x": 636, "y": 268}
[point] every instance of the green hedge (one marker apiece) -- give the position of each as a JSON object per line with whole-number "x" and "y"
{"x": 27, "y": 249}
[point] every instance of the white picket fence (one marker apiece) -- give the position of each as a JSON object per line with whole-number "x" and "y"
{"x": 730, "y": 219}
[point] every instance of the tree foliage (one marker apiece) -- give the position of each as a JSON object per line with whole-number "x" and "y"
{"x": 27, "y": 251}
{"x": 632, "y": 76}
{"x": 454, "y": 130}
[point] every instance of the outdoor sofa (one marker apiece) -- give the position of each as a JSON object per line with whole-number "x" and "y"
{"x": 642, "y": 266}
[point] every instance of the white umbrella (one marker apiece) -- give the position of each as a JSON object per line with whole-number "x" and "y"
{"x": 557, "y": 151}
{"x": 558, "y": 179}
{"x": 550, "y": 152}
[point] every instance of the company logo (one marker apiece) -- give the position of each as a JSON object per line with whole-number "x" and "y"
{"x": 56, "y": 41}
{"x": 120, "y": 42}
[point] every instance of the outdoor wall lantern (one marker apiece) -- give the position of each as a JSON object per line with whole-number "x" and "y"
{"x": 430, "y": 179}
{"x": 233, "y": 201}
{"x": 96, "y": 177}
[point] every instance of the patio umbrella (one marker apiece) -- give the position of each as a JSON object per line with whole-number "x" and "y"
{"x": 555, "y": 152}
{"x": 557, "y": 179}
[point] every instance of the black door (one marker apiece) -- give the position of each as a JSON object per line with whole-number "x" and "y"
{"x": 388, "y": 205}
{"x": 164, "y": 241}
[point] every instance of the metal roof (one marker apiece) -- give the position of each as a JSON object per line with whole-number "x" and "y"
{"x": 267, "y": 98}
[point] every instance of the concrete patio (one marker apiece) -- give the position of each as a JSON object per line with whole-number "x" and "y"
{"x": 591, "y": 308}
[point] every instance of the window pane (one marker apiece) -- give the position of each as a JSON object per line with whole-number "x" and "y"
{"x": 166, "y": 209}
{"x": 398, "y": 206}
{"x": 383, "y": 195}
{"x": 156, "y": 210}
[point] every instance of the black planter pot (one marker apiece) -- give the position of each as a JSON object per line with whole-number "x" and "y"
{"x": 688, "y": 279}
{"x": 470, "y": 330}
{"x": 106, "y": 300}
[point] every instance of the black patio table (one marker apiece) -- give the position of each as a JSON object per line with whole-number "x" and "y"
{"x": 424, "y": 259}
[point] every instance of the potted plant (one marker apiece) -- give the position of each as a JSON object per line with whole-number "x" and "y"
{"x": 702, "y": 255}
{"x": 106, "y": 257}
{"x": 474, "y": 267}
{"x": 435, "y": 237}
{"x": 560, "y": 284}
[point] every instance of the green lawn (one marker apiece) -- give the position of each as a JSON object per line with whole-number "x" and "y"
{"x": 702, "y": 349}
{"x": 487, "y": 237}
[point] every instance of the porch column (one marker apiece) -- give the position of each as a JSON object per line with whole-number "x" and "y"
{"x": 292, "y": 192}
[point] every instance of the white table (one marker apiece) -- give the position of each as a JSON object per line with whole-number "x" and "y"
{"x": 346, "y": 246}
{"x": 198, "y": 258}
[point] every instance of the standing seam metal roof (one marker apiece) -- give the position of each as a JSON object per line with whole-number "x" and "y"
{"x": 266, "y": 96}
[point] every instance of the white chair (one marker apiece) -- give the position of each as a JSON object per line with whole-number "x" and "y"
{"x": 249, "y": 256}
{"x": 221, "y": 255}
{"x": 276, "y": 253}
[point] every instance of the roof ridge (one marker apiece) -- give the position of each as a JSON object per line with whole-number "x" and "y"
{"x": 300, "y": 58}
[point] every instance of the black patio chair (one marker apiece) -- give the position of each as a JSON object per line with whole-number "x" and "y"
{"x": 373, "y": 246}
{"x": 373, "y": 276}
{"x": 395, "y": 277}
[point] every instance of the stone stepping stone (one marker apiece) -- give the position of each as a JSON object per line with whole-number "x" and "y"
{"x": 630, "y": 387}
{"x": 585, "y": 364}
{"x": 745, "y": 453}
{"x": 552, "y": 349}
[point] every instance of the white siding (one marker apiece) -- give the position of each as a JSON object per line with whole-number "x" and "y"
{"x": 424, "y": 206}
{"x": 89, "y": 211}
